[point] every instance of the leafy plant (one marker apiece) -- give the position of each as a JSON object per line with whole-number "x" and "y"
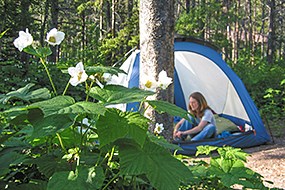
{"x": 57, "y": 142}
{"x": 52, "y": 140}
{"x": 225, "y": 169}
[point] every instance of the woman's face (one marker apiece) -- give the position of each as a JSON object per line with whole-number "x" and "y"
{"x": 194, "y": 104}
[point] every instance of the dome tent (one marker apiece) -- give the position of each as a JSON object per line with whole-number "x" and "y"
{"x": 199, "y": 67}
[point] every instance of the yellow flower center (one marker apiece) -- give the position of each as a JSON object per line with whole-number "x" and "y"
{"x": 148, "y": 84}
{"x": 79, "y": 76}
{"x": 52, "y": 39}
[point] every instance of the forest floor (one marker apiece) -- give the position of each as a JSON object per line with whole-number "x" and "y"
{"x": 269, "y": 161}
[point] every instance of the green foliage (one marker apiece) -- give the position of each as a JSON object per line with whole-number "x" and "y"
{"x": 173, "y": 110}
{"x": 149, "y": 159}
{"x": 115, "y": 125}
{"x": 113, "y": 47}
{"x": 39, "y": 52}
{"x": 112, "y": 150}
{"x": 25, "y": 94}
{"x": 115, "y": 94}
{"x": 206, "y": 19}
{"x": 81, "y": 178}
{"x": 45, "y": 143}
{"x": 50, "y": 134}
{"x": 225, "y": 170}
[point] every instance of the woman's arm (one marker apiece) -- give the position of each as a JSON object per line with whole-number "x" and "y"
{"x": 194, "y": 130}
{"x": 176, "y": 127}
{"x": 178, "y": 124}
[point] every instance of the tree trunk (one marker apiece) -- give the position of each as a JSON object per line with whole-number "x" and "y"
{"x": 262, "y": 30}
{"x": 113, "y": 22}
{"x": 130, "y": 5}
{"x": 201, "y": 22}
{"x": 54, "y": 24}
{"x": 25, "y": 21}
{"x": 271, "y": 35}
{"x": 249, "y": 15}
{"x": 187, "y": 6}
{"x": 43, "y": 26}
{"x": 101, "y": 18}
{"x": 83, "y": 35}
{"x": 157, "y": 52}
{"x": 108, "y": 16}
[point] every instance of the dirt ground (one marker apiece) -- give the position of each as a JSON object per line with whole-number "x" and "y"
{"x": 269, "y": 161}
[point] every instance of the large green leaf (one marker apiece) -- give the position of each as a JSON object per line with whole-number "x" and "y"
{"x": 44, "y": 51}
{"x": 26, "y": 94}
{"x": 41, "y": 52}
{"x": 33, "y": 184}
{"x": 84, "y": 107}
{"x": 17, "y": 142}
{"x": 232, "y": 153}
{"x": 116, "y": 124}
{"x": 205, "y": 149}
{"x": 163, "y": 142}
{"x": 83, "y": 178}
{"x": 49, "y": 164}
{"x": 31, "y": 50}
{"x": 161, "y": 168}
{"x": 35, "y": 115}
{"x": 70, "y": 137}
{"x": 239, "y": 174}
{"x": 115, "y": 94}
{"x": 104, "y": 69}
{"x": 9, "y": 157}
{"x": 52, "y": 106}
{"x": 172, "y": 109}
{"x": 50, "y": 125}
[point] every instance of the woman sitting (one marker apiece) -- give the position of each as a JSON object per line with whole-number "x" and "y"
{"x": 203, "y": 123}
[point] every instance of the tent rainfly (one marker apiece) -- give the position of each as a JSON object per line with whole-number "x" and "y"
{"x": 199, "y": 67}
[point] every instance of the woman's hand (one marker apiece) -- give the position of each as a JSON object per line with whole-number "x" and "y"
{"x": 179, "y": 134}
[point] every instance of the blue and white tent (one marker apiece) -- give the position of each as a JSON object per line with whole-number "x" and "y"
{"x": 200, "y": 67}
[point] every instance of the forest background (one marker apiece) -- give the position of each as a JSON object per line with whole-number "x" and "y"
{"x": 249, "y": 33}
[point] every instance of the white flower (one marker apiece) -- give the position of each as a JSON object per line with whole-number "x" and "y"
{"x": 24, "y": 40}
{"x": 77, "y": 74}
{"x": 85, "y": 121}
{"x": 163, "y": 80}
{"x": 149, "y": 84}
{"x": 92, "y": 77}
{"x": 158, "y": 128}
{"x": 107, "y": 77}
{"x": 55, "y": 37}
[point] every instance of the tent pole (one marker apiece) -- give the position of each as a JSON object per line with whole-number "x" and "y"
{"x": 269, "y": 128}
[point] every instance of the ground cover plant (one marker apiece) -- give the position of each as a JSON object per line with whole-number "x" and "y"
{"x": 50, "y": 140}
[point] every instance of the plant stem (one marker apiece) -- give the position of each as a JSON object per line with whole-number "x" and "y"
{"x": 115, "y": 176}
{"x": 53, "y": 87}
{"x": 147, "y": 106}
{"x": 141, "y": 105}
{"x": 60, "y": 142}
{"x": 88, "y": 90}
{"x": 66, "y": 87}
{"x": 112, "y": 153}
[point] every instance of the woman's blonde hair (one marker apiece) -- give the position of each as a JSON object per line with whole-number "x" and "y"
{"x": 202, "y": 104}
